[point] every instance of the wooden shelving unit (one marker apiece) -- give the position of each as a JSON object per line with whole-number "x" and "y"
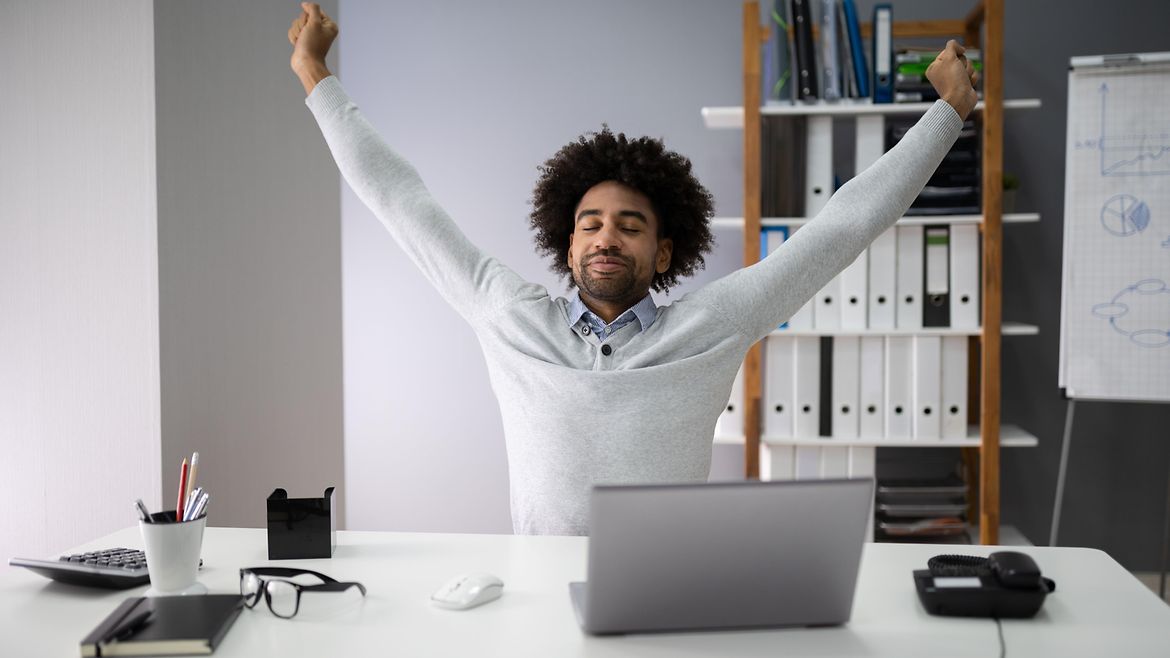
{"x": 983, "y": 25}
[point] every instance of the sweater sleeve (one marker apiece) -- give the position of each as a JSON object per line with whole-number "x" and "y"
{"x": 388, "y": 185}
{"x": 758, "y": 298}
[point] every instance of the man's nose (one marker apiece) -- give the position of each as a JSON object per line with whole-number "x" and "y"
{"x": 608, "y": 237}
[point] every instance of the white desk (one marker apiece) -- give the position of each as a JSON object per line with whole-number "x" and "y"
{"x": 1099, "y": 609}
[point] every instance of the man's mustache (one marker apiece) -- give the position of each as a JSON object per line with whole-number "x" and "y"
{"x": 612, "y": 254}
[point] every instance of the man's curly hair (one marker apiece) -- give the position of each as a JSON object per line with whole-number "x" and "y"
{"x": 683, "y": 206}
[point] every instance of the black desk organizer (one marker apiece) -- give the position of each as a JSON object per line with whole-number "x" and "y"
{"x": 300, "y": 528}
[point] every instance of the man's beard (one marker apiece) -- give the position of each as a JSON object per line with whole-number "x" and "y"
{"x": 619, "y": 285}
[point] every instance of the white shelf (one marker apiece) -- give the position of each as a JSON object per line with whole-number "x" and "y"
{"x": 917, "y": 220}
{"x": 1010, "y": 436}
{"x": 1006, "y": 329}
{"x": 732, "y": 117}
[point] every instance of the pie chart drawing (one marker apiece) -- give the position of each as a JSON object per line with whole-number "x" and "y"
{"x": 1124, "y": 215}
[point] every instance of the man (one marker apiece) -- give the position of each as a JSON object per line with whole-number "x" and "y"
{"x": 607, "y": 388}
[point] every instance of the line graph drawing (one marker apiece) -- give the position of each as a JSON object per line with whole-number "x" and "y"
{"x": 1144, "y": 154}
{"x": 1124, "y": 215}
{"x": 1141, "y": 312}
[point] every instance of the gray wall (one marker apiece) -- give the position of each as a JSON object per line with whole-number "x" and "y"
{"x": 249, "y": 261}
{"x": 79, "y": 405}
{"x": 1120, "y": 459}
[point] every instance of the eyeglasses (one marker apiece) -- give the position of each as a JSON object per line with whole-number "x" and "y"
{"x": 283, "y": 596}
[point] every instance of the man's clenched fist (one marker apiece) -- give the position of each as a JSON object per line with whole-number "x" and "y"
{"x": 311, "y": 34}
{"x": 954, "y": 78}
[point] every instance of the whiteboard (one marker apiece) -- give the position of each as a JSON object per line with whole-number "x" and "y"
{"x": 1115, "y": 301}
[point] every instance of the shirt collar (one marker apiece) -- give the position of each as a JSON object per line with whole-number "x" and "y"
{"x": 646, "y": 311}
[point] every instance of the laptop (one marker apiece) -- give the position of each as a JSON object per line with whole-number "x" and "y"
{"x": 719, "y": 556}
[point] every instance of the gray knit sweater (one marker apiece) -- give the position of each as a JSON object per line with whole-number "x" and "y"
{"x": 645, "y": 413}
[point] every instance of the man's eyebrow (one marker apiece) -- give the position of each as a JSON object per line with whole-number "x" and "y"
{"x": 636, "y": 214}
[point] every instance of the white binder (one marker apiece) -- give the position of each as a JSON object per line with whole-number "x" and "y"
{"x": 777, "y": 462}
{"x": 870, "y": 403}
{"x": 909, "y": 277}
{"x": 863, "y": 464}
{"x": 965, "y": 276}
{"x": 870, "y": 142}
{"x": 899, "y": 407}
{"x": 730, "y": 422}
{"x": 818, "y": 172}
{"x": 807, "y": 356}
{"x": 846, "y": 386}
{"x": 807, "y": 464}
{"x": 827, "y": 315}
{"x": 853, "y": 293}
{"x": 883, "y": 265}
{"x": 954, "y": 387}
{"x": 779, "y": 386}
{"x": 834, "y": 462}
{"x": 927, "y": 387}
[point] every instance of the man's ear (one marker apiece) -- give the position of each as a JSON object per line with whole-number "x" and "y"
{"x": 569, "y": 252}
{"x": 662, "y": 259}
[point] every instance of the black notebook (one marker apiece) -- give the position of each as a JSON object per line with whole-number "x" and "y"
{"x": 177, "y": 625}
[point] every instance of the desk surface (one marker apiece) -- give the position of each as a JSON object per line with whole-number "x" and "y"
{"x": 1099, "y": 609}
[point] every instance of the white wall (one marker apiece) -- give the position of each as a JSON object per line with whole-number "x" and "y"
{"x": 79, "y": 400}
{"x": 477, "y": 95}
{"x": 249, "y": 261}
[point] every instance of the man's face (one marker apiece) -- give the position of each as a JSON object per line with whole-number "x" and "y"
{"x": 615, "y": 250}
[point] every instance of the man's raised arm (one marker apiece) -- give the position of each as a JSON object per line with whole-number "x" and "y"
{"x": 388, "y": 185}
{"x": 762, "y": 296}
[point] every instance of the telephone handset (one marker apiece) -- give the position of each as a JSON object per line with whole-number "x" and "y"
{"x": 1004, "y": 584}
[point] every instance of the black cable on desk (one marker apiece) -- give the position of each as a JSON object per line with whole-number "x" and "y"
{"x": 1002, "y": 647}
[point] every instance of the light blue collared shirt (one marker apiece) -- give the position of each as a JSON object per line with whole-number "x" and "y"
{"x": 645, "y": 312}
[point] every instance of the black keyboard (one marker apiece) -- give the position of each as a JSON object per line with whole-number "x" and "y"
{"x": 113, "y": 568}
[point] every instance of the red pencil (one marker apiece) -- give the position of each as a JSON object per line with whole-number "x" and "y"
{"x": 182, "y": 490}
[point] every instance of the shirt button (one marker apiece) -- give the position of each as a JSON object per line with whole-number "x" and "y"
{"x": 606, "y": 350}
{"x": 585, "y": 330}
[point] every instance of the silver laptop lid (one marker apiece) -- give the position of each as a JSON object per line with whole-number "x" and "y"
{"x": 724, "y": 555}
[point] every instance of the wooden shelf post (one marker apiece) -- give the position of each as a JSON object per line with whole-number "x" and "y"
{"x": 989, "y": 417}
{"x": 753, "y": 36}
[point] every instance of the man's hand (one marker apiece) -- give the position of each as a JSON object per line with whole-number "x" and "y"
{"x": 954, "y": 78}
{"x": 311, "y": 34}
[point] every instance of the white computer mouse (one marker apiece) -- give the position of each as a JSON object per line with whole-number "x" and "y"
{"x": 468, "y": 591}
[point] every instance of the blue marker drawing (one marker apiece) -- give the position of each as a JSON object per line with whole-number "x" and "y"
{"x": 1131, "y": 155}
{"x": 1147, "y": 325}
{"x": 1124, "y": 215}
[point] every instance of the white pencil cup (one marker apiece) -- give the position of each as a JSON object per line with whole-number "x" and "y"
{"x": 172, "y": 554}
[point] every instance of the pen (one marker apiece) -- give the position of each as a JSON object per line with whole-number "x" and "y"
{"x": 127, "y": 628}
{"x": 191, "y": 476}
{"x": 192, "y": 499}
{"x": 182, "y": 491}
{"x": 142, "y": 511}
{"x": 201, "y": 506}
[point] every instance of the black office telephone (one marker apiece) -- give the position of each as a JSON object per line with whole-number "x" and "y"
{"x": 1004, "y": 584}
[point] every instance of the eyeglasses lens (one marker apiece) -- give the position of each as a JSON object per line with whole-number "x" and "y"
{"x": 249, "y": 586}
{"x": 282, "y": 598}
